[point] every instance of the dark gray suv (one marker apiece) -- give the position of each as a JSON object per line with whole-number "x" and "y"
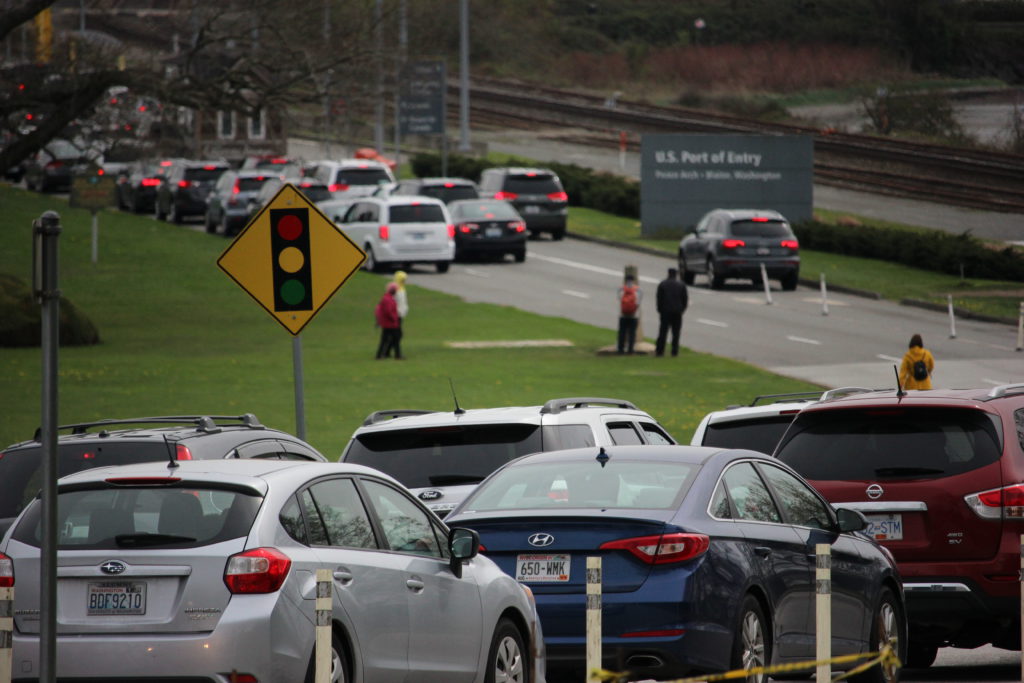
{"x": 536, "y": 193}
{"x": 142, "y": 439}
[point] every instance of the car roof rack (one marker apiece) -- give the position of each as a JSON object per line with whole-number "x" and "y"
{"x": 1006, "y": 390}
{"x": 844, "y": 391}
{"x": 384, "y": 415}
{"x": 558, "y": 405}
{"x": 203, "y": 423}
{"x": 786, "y": 398}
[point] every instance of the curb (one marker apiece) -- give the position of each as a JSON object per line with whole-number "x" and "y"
{"x": 959, "y": 312}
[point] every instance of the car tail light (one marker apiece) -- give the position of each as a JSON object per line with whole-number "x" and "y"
{"x": 732, "y": 244}
{"x": 6, "y": 572}
{"x": 56, "y": 163}
{"x": 517, "y": 226}
{"x": 451, "y": 231}
{"x": 235, "y": 189}
{"x": 166, "y": 163}
{"x": 183, "y": 183}
{"x": 262, "y": 570}
{"x": 507, "y": 196}
{"x": 558, "y": 197}
{"x": 468, "y": 227}
{"x": 1003, "y": 503}
{"x": 150, "y": 182}
{"x": 664, "y": 549}
{"x": 337, "y": 187}
{"x": 758, "y": 219}
{"x": 789, "y": 244}
{"x": 181, "y": 452}
{"x": 449, "y": 184}
{"x": 209, "y": 167}
{"x": 384, "y": 232}
{"x": 236, "y": 677}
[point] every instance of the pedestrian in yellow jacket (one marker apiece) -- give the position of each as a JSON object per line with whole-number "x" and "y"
{"x": 917, "y": 366}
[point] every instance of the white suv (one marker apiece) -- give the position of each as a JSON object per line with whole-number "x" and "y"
{"x": 351, "y": 177}
{"x": 401, "y": 230}
{"x": 441, "y": 457}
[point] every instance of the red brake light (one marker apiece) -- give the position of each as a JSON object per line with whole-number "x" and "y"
{"x": 789, "y": 244}
{"x": 759, "y": 219}
{"x": 166, "y": 163}
{"x": 337, "y": 187}
{"x": 558, "y": 197}
{"x": 56, "y": 163}
{"x": 183, "y": 183}
{"x": 6, "y": 572}
{"x": 384, "y": 232}
{"x": 468, "y": 227}
{"x": 209, "y": 167}
{"x": 518, "y": 226}
{"x": 507, "y": 196}
{"x": 451, "y": 231}
{"x": 732, "y": 244}
{"x": 261, "y": 570}
{"x": 235, "y": 189}
{"x": 150, "y": 182}
{"x": 664, "y": 549}
{"x": 181, "y": 452}
{"x": 449, "y": 184}
{"x": 240, "y": 678}
{"x": 1003, "y": 503}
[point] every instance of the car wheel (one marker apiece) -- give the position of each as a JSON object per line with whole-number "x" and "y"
{"x": 684, "y": 273}
{"x": 752, "y": 647}
{"x": 519, "y": 256}
{"x": 174, "y": 212}
{"x": 558, "y": 234}
{"x": 507, "y": 661}
{"x": 370, "y": 264}
{"x": 133, "y": 203}
{"x": 442, "y": 266}
{"x": 885, "y": 630}
{"x": 789, "y": 281}
{"x": 921, "y": 655}
{"x": 715, "y": 280}
{"x": 339, "y": 662}
{"x": 209, "y": 224}
{"x": 157, "y": 213}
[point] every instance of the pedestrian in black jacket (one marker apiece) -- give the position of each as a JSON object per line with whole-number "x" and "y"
{"x": 672, "y": 302}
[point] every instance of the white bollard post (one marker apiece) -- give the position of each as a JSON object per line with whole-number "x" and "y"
{"x": 593, "y": 618}
{"x": 1020, "y": 328}
{"x": 823, "y": 610}
{"x": 824, "y": 296}
{"x": 95, "y": 237}
{"x": 952, "y": 318}
{"x": 6, "y": 633}
{"x": 767, "y": 287}
{"x": 324, "y": 607}
{"x": 1021, "y": 579}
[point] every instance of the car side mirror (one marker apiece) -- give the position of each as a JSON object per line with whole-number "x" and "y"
{"x": 463, "y": 545}
{"x": 851, "y": 520}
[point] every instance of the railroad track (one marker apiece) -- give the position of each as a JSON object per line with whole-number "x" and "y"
{"x": 979, "y": 179}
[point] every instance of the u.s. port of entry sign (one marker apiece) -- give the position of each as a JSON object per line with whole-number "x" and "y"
{"x": 683, "y": 176}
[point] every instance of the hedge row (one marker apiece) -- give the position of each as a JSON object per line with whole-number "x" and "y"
{"x": 930, "y": 250}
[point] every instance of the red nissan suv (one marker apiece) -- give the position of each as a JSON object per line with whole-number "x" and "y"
{"x": 940, "y": 476}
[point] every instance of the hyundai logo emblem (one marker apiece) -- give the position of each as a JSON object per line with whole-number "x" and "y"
{"x": 541, "y": 540}
{"x": 874, "y": 492}
{"x": 113, "y": 567}
{"x": 432, "y": 494}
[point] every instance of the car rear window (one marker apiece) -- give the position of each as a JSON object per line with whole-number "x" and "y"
{"x": 443, "y": 456}
{"x": 757, "y": 435}
{"x": 541, "y": 183}
{"x": 890, "y": 443}
{"x": 449, "y": 193}
{"x": 416, "y": 213}
{"x": 203, "y": 174}
{"x": 315, "y": 193}
{"x": 759, "y": 229}
{"x": 487, "y": 211}
{"x": 251, "y": 184}
{"x": 361, "y": 176}
{"x": 124, "y": 517}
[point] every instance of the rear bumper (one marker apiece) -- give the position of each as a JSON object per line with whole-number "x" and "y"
{"x": 503, "y": 245}
{"x": 959, "y": 611}
{"x": 387, "y": 253}
{"x": 751, "y": 268}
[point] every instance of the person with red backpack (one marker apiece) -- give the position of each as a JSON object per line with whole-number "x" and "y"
{"x": 389, "y": 323}
{"x": 629, "y": 296}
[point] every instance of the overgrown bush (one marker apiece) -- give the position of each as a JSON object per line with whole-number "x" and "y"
{"x": 927, "y": 114}
{"x": 20, "y": 318}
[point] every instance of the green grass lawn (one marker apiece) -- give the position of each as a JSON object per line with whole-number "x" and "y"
{"x": 891, "y": 280}
{"x": 179, "y": 337}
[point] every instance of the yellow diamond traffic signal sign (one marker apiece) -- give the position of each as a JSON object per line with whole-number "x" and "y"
{"x": 291, "y": 259}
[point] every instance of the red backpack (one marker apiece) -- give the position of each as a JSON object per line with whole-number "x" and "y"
{"x": 629, "y": 302}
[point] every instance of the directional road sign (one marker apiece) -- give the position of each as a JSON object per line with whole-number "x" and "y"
{"x": 291, "y": 259}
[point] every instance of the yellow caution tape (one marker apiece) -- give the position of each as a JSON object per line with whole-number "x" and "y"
{"x": 885, "y": 657}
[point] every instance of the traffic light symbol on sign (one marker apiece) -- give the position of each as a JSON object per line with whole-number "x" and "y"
{"x": 289, "y": 247}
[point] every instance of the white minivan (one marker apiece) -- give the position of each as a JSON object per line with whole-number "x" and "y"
{"x": 401, "y": 231}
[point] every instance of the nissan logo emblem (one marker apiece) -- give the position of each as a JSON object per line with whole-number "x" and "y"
{"x": 432, "y": 494}
{"x": 874, "y": 492}
{"x": 541, "y": 540}
{"x": 113, "y": 567}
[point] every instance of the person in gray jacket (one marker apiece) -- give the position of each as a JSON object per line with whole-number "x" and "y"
{"x": 672, "y": 299}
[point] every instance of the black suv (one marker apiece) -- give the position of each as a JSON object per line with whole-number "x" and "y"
{"x": 184, "y": 189}
{"x": 536, "y": 193}
{"x": 142, "y": 439}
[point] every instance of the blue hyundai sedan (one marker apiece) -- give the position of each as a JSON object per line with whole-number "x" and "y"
{"x": 708, "y": 559}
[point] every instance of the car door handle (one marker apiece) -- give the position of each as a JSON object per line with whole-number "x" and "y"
{"x": 415, "y": 585}
{"x": 762, "y": 551}
{"x": 343, "y": 576}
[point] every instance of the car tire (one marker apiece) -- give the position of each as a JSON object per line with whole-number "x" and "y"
{"x": 133, "y": 203}
{"x": 507, "y": 659}
{"x": 443, "y": 266}
{"x": 210, "y": 226}
{"x": 558, "y": 234}
{"x": 789, "y": 281}
{"x": 684, "y": 273}
{"x": 157, "y": 213}
{"x": 174, "y": 213}
{"x": 715, "y": 279}
{"x": 752, "y": 647}
{"x": 370, "y": 264}
{"x": 920, "y": 655}
{"x": 885, "y": 629}
{"x": 340, "y": 670}
{"x": 519, "y": 256}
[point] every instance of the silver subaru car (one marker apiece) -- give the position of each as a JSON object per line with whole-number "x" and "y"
{"x": 205, "y": 571}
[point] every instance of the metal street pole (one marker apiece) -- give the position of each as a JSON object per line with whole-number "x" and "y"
{"x": 403, "y": 48}
{"x": 378, "y": 132}
{"x": 300, "y": 401}
{"x": 464, "y": 145}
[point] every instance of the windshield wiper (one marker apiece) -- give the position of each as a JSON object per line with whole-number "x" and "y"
{"x": 139, "y": 540}
{"x": 454, "y": 479}
{"x": 906, "y": 471}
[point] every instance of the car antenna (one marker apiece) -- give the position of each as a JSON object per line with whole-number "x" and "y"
{"x": 458, "y": 410}
{"x": 172, "y": 460}
{"x": 603, "y": 457}
{"x": 899, "y": 390}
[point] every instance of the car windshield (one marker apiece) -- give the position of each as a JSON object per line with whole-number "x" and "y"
{"x": 760, "y": 229}
{"x": 890, "y": 443}
{"x": 361, "y": 176}
{"x": 584, "y": 484}
{"x": 757, "y": 435}
{"x": 121, "y": 517}
{"x": 416, "y": 213}
{"x": 444, "y": 456}
{"x": 486, "y": 211}
{"x": 541, "y": 183}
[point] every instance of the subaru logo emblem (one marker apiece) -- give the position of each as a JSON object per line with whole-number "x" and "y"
{"x": 432, "y": 494}
{"x": 541, "y": 540}
{"x": 874, "y": 492}
{"x": 113, "y": 567}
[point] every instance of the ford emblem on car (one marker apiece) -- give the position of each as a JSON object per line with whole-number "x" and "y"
{"x": 113, "y": 567}
{"x": 541, "y": 540}
{"x": 874, "y": 492}
{"x": 431, "y": 494}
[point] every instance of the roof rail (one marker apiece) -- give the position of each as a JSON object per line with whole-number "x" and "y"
{"x": 558, "y": 405}
{"x": 203, "y": 423}
{"x": 1005, "y": 390}
{"x": 844, "y": 391}
{"x": 785, "y": 398}
{"x": 382, "y": 415}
